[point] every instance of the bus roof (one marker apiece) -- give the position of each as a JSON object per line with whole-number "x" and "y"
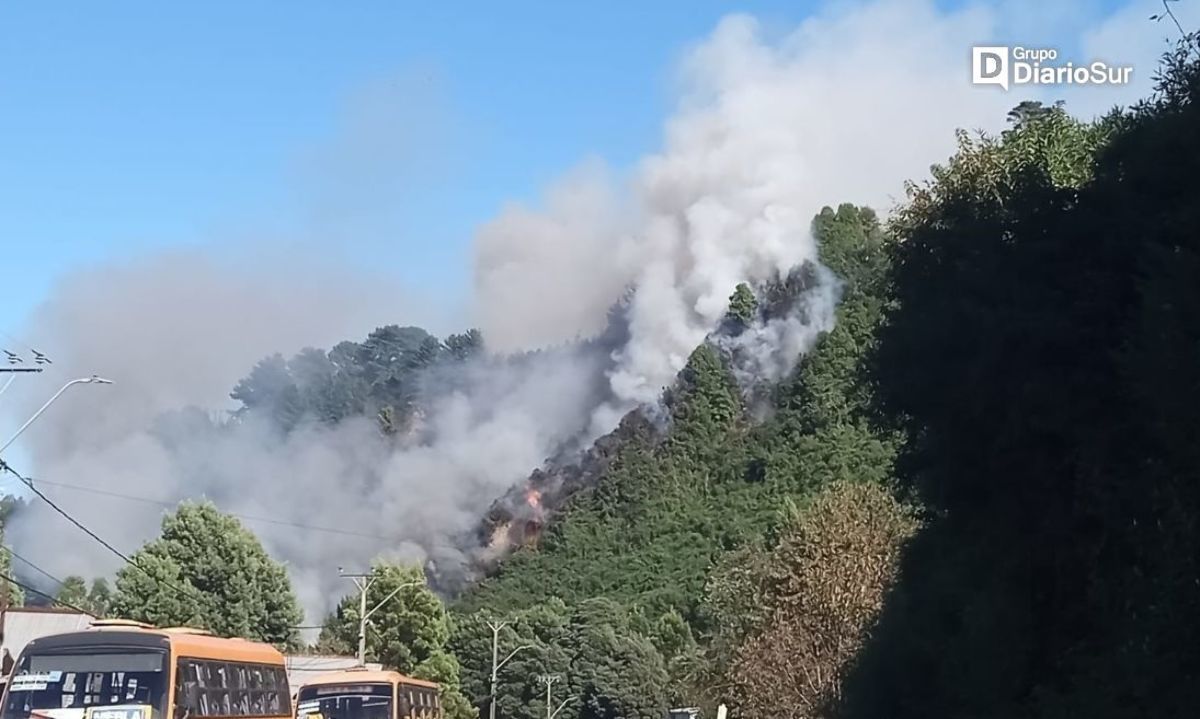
{"x": 365, "y": 676}
{"x": 184, "y": 641}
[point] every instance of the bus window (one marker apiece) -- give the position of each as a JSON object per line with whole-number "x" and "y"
{"x": 254, "y": 685}
{"x": 219, "y": 689}
{"x": 274, "y": 699}
{"x": 79, "y": 680}
{"x": 364, "y": 701}
{"x": 229, "y": 689}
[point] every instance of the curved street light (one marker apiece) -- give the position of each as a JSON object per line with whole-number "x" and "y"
{"x": 364, "y": 582}
{"x": 83, "y": 380}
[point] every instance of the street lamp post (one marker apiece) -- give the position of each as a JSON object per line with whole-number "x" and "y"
{"x": 83, "y": 380}
{"x": 548, "y": 680}
{"x": 364, "y": 582}
{"x": 496, "y": 627}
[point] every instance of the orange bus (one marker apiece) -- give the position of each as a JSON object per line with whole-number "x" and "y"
{"x": 364, "y": 694}
{"x": 127, "y": 670}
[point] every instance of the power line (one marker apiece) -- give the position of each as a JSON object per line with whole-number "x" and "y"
{"x": 28, "y": 482}
{"x": 247, "y": 517}
{"x": 68, "y": 517}
{"x": 158, "y": 580}
{"x": 28, "y": 588}
{"x": 63, "y": 584}
{"x": 36, "y": 568}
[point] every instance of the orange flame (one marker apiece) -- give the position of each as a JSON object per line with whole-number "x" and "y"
{"x": 534, "y": 499}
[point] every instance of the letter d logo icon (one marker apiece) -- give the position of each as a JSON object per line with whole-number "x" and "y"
{"x": 989, "y": 66}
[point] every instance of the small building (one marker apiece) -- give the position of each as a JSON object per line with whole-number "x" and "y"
{"x": 21, "y": 625}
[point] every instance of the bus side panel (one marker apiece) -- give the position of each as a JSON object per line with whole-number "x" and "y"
{"x": 278, "y": 685}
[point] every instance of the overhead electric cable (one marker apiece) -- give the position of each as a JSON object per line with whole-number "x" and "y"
{"x": 247, "y": 517}
{"x": 36, "y": 568}
{"x": 128, "y": 560}
{"x": 28, "y": 588}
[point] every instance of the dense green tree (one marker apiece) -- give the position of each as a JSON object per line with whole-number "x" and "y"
{"x": 381, "y": 377}
{"x": 743, "y": 306}
{"x": 207, "y": 570}
{"x": 466, "y": 345}
{"x": 537, "y": 633}
{"x": 605, "y": 656}
{"x": 407, "y": 629}
{"x": 617, "y": 671}
{"x": 271, "y": 391}
{"x": 9, "y": 505}
{"x": 99, "y": 597}
{"x": 157, "y": 593}
{"x": 1029, "y": 111}
{"x": 73, "y": 591}
{"x": 821, "y": 591}
{"x": 11, "y": 595}
{"x": 1039, "y": 359}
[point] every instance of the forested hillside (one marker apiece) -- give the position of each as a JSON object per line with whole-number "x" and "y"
{"x": 1041, "y": 359}
{"x": 635, "y": 552}
{"x": 648, "y": 531}
{"x": 976, "y": 496}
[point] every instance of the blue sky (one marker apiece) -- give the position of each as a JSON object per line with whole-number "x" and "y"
{"x": 130, "y": 126}
{"x": 135, "y": 125}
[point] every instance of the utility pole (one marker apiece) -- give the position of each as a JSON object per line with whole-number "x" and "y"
{"x": 496, "y": 627}
{"x": 548, "y": 680}
{"x": 364, "y": 582}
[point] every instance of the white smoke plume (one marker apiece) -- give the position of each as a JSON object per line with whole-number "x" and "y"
{"x": 767, "y": 350}
{"x": 841, "y": 108}
{"x": 765, "y": 135}
{"x": 568, "y": 254}
{"x": 769, "y": 128}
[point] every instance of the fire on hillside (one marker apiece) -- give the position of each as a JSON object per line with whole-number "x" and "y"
{"x": 519, "y": 518}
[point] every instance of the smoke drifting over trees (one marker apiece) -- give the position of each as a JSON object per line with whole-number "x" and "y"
{"x": 353, "y": 454}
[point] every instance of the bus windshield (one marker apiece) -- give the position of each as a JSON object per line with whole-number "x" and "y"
{"x": 65, "y": 685}
{"x": 362, "y": 701}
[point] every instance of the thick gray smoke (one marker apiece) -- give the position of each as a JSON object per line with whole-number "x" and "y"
{"x": 766, "y": 134}
{"x": 172, "y": 332}
{"x": 175, "y": 334}
{"x": 843, "y": 108}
